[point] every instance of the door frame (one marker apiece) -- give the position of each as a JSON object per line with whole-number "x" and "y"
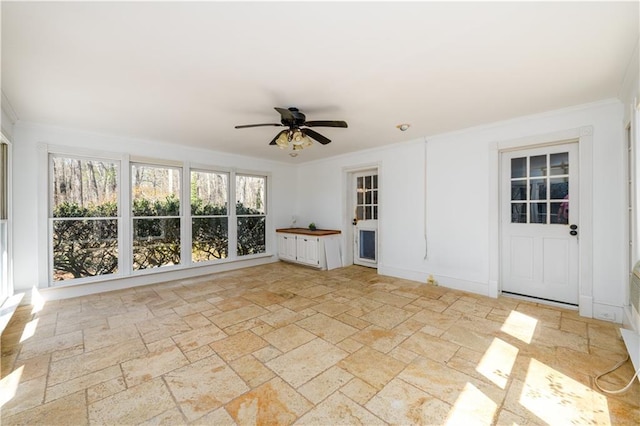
{"x": 584, "y": 137}
{"x": 348, "y": 183}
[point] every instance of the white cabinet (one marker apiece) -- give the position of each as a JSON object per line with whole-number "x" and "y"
{"x": 304, "y": 247}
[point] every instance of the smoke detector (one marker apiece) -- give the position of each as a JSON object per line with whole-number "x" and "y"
{"x": 403, "y": 127}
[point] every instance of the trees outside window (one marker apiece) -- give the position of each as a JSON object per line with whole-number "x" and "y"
{"x": 155, "y": 194}
{"x": 251, "y": 214}
{"x": 83, "y": 217}
{"x": 209, "y": 216}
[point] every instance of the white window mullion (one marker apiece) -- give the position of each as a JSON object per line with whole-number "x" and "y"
{"x": 185, "y": 215}
{"x": 125, "y": 222}
{"x": 233, "y": 219}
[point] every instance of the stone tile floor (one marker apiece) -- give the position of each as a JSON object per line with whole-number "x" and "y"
{"x": 283, "y": 344}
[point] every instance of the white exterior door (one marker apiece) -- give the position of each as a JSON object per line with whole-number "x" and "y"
{"x": 539, "y": 213}
{"x": 365, "y": 243}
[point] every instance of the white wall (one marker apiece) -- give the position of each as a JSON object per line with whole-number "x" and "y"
{"x": 459, "y": 188}
{"x": 28, "y": 137}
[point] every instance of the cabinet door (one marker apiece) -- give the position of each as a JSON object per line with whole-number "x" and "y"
{"x": 307, "y": 248}
{"x": 287, "y": 246}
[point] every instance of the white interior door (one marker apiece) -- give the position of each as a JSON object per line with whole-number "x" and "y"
{"x": 539, "y": 213}
{"x": 365, "y": 235}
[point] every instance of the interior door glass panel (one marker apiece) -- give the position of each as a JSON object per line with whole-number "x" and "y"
{"x": 360, "y": 197}
{"x": 367, "y": 197}
{"x": 559, "y": 188}
{"x": 519, "y": 190}
{"x": 559, "y": 163}
{"x": 538, "y": 165}
{"x": 375, "y": 181}
{"x": 359, "y": 212}
{"x": 367, "y": 182}
{"x": 519, "y": 167}
{"x": 538, "y": 213}
{"x": 519, "y": 213}
{"x": 560, "y": 212}
{"x": 538, "y": 189}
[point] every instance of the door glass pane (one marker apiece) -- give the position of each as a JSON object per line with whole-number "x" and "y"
{"x": 538, "y": 165}
{"x": 367, "y": 213}
{"x": 367, "y": 245}
{"x": 367, "y": 197}
{"x": 559, "y": 163}
{"x": 538, "y": 213}
{"x": 360, "y": 197}
{"x": 519, "y": 167}
{"x": 375, "y": 181}
{"x": 538, "y": 189}
{"x": 519, "y": 190}
{"x": 360, "y": 184}
{"x": 375, "y": 212}
{"x": 375, "y": 197}
{"x": 367, "y": 182}
{"x": 359, "y": 213}
{"x": 559, "y": 188}
{"x": 560, "y": 212}
{"x": 519, "y": 213}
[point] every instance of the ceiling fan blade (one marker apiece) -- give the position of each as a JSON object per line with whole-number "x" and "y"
{"x": 273, "y": 142}
{"x": 286, "y": 114}
{"x": 326, "y": 123}
{"x": 244, "y": 126}
{"x": 315, "y": 135}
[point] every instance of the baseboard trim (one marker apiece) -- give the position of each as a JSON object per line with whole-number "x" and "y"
{"x": 56, "y": 293}
{"x": 442, "y": 280}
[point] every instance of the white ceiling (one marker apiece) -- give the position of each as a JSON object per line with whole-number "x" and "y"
{"x": 188, "y": 72}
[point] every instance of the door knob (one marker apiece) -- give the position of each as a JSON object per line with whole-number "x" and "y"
{"x": 355, "y": 221}
{"x": 573, "y": 227}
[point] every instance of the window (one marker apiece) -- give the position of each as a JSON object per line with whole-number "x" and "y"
{"x": 83, "y": 217}
{"x": 98, "y": 227}
{"x": 367, "y": 197}
{"x": 155, "y": 194}
{"x": 540, "y": 189}
{"x": 209, "y": 216}
{"x": 251, "y": 214}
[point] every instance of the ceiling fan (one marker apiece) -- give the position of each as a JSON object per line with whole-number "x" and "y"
{"x": 297, "y": 132}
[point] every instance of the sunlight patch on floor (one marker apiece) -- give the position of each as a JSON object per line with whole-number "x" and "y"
{"x": 472, "y": 407}
{"x": 520, "y": 326}
{"x": 558, "y": 399}
{"x": 497, "y": 362}
{"x": 9, "y": 385}
{"x": 37, "y": 301}
{"x": 29, "y": 330}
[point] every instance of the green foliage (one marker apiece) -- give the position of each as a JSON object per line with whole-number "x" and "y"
{"x": 85, "y": 248}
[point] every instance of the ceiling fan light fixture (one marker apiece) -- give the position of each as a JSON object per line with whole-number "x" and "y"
{"x": 283, "y": 140}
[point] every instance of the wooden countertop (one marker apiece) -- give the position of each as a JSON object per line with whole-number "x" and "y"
{"x": 307, "y": 231}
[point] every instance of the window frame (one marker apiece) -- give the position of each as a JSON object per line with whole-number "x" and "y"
{"x": 85, "y": 155}
{"x": 230, "y": 254}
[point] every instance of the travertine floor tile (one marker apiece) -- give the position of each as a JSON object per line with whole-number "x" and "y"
{"x": 288, "y": 337}
{"x": 339, "y": 410}
{"x": 273, "y": 403}
{"x": 400, "y": 403}
{"x": 372, "y": 366}
{"x": 307, "y": 361}
{"x": 133, "y": 405}
{"x": 203, "y": 386}
{"x": 238, "y": 345}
